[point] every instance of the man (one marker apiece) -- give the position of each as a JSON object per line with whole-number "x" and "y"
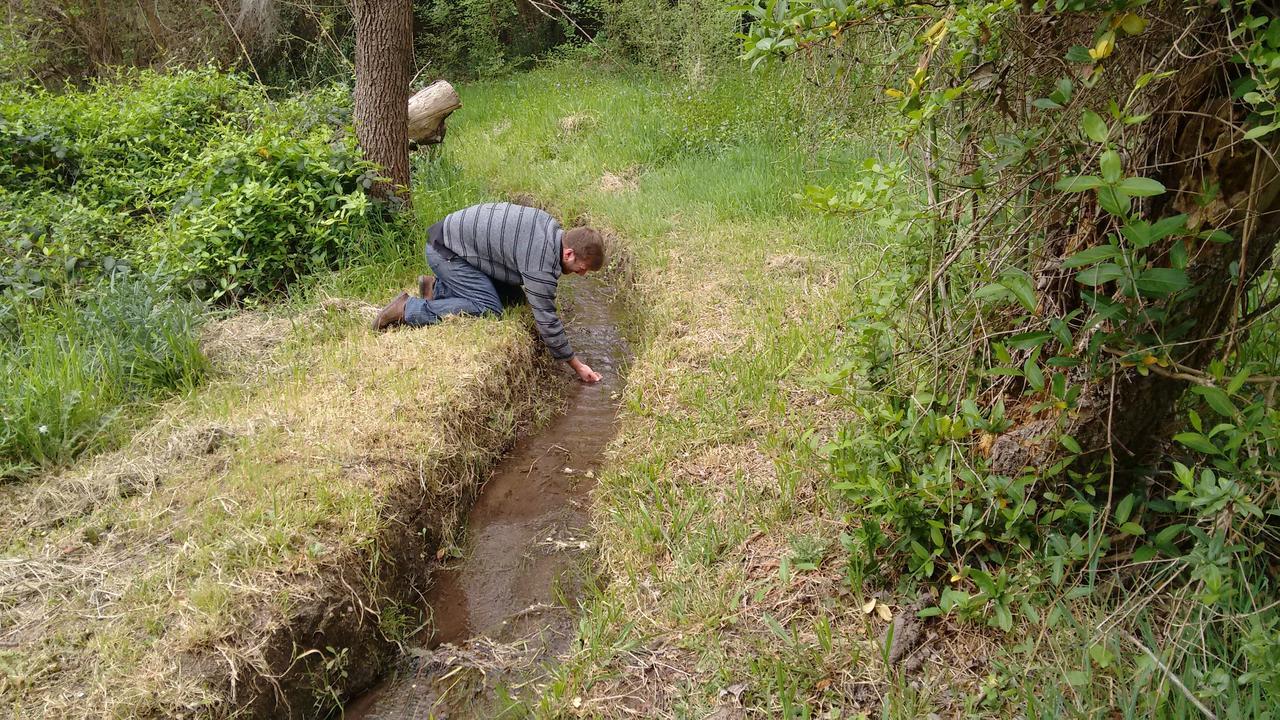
{"x": 481, "y": 254}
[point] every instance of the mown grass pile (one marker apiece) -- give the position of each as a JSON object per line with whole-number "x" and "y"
{"x": 121, "y": 203}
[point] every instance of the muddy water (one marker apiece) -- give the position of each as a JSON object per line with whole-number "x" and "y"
{"x": 498, "y": 612}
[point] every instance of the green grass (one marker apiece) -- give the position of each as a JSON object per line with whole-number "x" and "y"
{"x": 74, "y": 372}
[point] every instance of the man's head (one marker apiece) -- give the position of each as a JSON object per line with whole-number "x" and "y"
{"x": 581, "y": 251}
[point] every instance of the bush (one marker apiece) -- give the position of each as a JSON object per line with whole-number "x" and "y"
{"x": 685, "y": 34}
{"x": 125, "y": 204}
{"x": 196, "y": 177}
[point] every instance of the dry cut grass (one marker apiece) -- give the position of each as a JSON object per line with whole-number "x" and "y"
{"x": 246, "y": 550}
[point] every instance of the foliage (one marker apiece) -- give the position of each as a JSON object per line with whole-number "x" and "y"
{"x": 485, "y": 38}
{"x": 194, "y": 176}
{"x": 1078, "y": 163}
{"x": 121, "y": 201}
{"x": 685, "y": 34}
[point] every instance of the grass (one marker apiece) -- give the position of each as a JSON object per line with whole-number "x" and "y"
{"x": 73, "y": 370}
{"x": 231, "y": 519}
{"x": 729, "y": 574}
{"x": 725, "y": 580}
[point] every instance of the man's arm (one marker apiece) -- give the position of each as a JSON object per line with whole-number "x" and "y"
{"x": 541, "y": 294}
{"x": 585, "y": 373}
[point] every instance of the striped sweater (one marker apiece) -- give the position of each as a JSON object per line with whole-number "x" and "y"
{"x": 516, "y": 245}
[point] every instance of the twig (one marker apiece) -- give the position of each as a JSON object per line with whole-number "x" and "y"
{"x": 1169, "y": 674}
{"x": 236, "y": 35}
{"x": 538, "y": 5}
{"x": 1191, "y": 375}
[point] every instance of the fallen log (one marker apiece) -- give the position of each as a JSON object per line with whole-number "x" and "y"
{"x": 428, "y": 109}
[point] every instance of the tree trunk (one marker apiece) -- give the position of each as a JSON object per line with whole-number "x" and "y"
{"x": 428, "y": 109}
{"x": 384, "y": 47}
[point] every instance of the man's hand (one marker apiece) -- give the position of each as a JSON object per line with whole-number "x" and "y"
{"x": 585, "y": 373}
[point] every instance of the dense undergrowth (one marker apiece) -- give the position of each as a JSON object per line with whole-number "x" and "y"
{"x": 123, "y": 207}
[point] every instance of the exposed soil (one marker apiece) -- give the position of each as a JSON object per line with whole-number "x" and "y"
{"x": 500, "y": 611}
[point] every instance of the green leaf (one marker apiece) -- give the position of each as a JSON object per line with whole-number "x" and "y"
{"x": 1111, "y": 166}
{"x": 1164, "y": 227}
{"x": 1165, "y": 537}
{"x": 1216, "y": 399}
{"x": 1114, "y": 201}
{"x": 1004, "y": 372}
{"x": 1019, "y": 283}
{"x": 1141, "y": 187}
{"x": 1078, "y": 183}
{"x": 1070, "y": 443}
{"x": 1100, "y": 274}
{"x": 1197, "y": 442}
{"x": 1162, "y": 281}
{"x": 1095, "y": 128}
{"x": 1132, "y": 528}
{"x": 1261, "y": 130}
{"x": 1101, "y": 655}
{"x": 1079, "y": 54}
{"x": 1124, "y": 508}
{"x": 993, "y": 291}
{"x": 1238, "y": 381}
{"x": 1138, "y": 233}
{"x": 1028, "y": 340}
{"x": 1091, "y": 255}
{"x": 1035, "y": 376}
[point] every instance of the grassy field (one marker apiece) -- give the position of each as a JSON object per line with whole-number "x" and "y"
{"x": 729, "y": 580}
{"x": 732, "y": 578}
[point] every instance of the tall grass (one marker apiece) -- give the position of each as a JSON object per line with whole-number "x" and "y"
{"x": 70, "y": 366}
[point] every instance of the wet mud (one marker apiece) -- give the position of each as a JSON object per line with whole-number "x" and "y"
{"x": 500, "y": 611}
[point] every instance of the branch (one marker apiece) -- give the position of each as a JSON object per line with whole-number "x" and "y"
{"x": 1169, "y": 674}
{"x": 539, "y": 6}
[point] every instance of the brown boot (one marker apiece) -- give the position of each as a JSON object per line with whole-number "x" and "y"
{"x": 426, "y": 286}
{"x": 393, "y": 313}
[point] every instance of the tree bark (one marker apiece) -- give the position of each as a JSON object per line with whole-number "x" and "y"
{"x": 384, "y": 47}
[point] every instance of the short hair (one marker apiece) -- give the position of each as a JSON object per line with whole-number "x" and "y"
{"x": 587, "y": 244}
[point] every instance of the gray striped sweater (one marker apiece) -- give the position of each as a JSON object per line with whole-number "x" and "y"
{"x": 516, "y": 245}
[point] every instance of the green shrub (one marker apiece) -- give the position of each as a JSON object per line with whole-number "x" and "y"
{"x": 197, "y": 177}
{"x": 124, "y": 204}
{"x": 684, "y": 34}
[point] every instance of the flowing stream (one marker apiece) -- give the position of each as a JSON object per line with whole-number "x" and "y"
{"x": 498, "y": 613}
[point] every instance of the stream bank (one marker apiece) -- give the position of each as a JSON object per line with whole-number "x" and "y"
{"x": 500, "y": 611}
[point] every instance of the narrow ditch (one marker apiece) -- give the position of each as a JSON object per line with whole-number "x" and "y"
{"x": 500, "y": 612}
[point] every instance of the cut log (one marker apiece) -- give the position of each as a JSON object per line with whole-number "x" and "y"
{"x": 428, "y": 109}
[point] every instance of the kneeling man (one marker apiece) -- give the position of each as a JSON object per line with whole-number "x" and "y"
{"x": 482, "y": 254}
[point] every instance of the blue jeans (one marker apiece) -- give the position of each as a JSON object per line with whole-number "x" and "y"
{"x": 460, "y": 290}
